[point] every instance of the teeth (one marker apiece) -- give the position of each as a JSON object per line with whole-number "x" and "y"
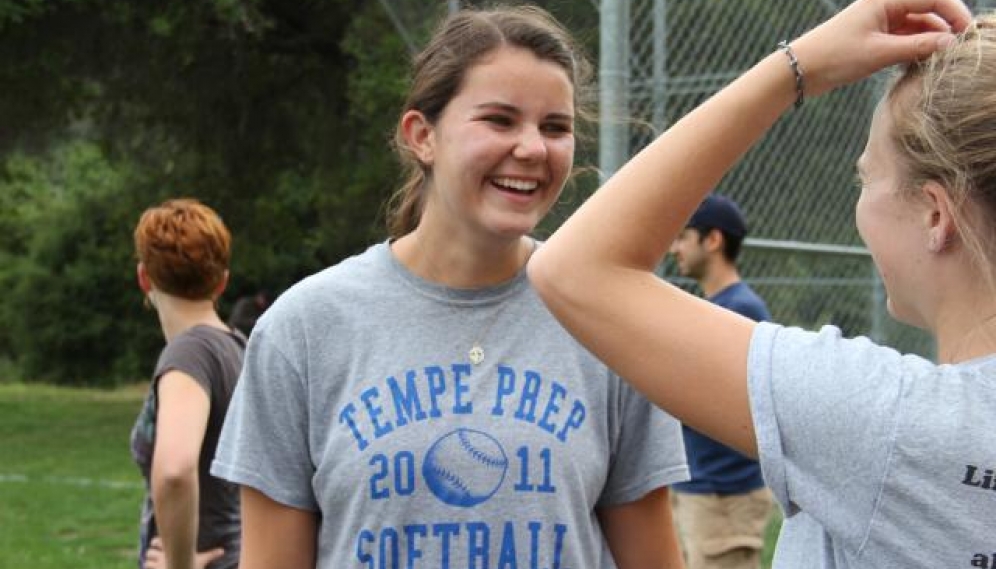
{"x": 520, "y": 185}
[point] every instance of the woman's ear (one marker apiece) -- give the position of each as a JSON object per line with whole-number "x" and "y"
{"x": 419, "y": 135}
{"x": 144, "y": 282}
{"x": 220, "y": 288}
{"x": 941, "y": 228}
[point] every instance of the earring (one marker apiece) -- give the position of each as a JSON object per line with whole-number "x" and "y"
{"x": 936, "y": 244}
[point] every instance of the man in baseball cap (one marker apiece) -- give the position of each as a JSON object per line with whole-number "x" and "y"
{"x": 722, "y": 511}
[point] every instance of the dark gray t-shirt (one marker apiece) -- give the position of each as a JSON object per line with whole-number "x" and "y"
{"x": 878, "y": 459}
{"x": 359, "y": 401}
{"x": 213, "y": 358}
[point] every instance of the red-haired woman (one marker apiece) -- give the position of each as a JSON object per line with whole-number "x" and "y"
{"x": 189, "y": 517}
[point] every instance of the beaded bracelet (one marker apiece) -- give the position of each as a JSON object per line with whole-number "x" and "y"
{"x": 796, "y": 70}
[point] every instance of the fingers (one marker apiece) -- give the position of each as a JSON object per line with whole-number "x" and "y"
{"x": 154, "y": 559}
{"x": 213, "y": 554}
{"x": 921, "y": 46}
{"x": 955, "y": 15}
{"x": 204, "y": 558}
{"x": 918, "y": 24}
{"x": 917, "y": 28}
{"x": 870, "y": 35}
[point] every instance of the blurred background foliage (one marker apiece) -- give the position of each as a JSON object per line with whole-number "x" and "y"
{"x": 276, "y": 114}
{"x": 279, "y": 115}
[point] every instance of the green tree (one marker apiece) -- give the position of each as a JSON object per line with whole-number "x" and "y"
{"x": 71, "y": 302}
{"x": 110, "y": 106}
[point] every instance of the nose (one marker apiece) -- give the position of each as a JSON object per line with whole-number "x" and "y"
{"x": 530, "y": 145}
{"x": 673, "y": 249}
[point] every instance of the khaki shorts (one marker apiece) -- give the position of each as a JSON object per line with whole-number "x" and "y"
{"x": 722, "y": 531}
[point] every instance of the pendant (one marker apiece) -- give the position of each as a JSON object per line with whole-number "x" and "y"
{"x": 476, "y": 354}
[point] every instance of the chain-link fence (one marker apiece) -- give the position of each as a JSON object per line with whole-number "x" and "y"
{"x": 659, "y": 59}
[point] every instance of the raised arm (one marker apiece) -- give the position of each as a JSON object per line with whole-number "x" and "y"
{"x": 596, "y": 271}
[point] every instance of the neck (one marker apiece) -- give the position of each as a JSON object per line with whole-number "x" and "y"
{"x": 972, "y": 338}
{"x": 459, "y": 265}
{"x": 962, "y": 313}
{"x": 176, "y": 315}
{"x": 720, "y": 275}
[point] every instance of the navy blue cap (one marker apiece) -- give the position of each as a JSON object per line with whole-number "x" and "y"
{"x": 719, "y": 212}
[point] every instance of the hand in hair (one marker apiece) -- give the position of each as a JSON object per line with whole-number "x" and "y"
{"x": 869, "y": 35}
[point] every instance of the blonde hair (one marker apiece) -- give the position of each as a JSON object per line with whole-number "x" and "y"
{"x": 460, "y": 42}
{"x": 185, "y": 248}
{"x": 944, "y": 129}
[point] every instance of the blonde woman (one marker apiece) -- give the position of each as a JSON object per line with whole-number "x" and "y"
{"x": 878, "y": 459}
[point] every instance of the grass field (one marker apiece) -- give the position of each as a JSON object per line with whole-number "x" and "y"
{"x": 69, "y": 493}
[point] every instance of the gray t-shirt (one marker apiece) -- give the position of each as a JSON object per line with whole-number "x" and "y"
{"x": 359, "y": 401}
{"x": 878, "y": 459}
{"x": 213, "y": 358}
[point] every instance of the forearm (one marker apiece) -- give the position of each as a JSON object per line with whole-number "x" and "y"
{"x": 640, "y": 210}
{"x": 641, "y": 534}
{"x": 175, "y": 498}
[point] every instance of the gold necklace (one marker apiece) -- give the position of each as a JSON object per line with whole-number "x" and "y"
{"x": 476, "y": 352}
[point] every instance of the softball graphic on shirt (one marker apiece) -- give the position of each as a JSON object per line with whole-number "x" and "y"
{"x": 465, "y": 467}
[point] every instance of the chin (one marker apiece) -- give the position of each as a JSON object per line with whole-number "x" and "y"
{"x": 514, "y": 228}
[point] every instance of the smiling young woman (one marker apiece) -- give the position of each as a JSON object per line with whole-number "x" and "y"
{"x": 417, "y": 405}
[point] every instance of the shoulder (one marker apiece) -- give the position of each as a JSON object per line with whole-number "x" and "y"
{"x": 199, "y": 338}
{"x": 331, "y": 302}
{"x": 805, "y": 357}
{"x": 202, "y": 352}
{"x": 206, "y": 338}
{"x": 348, "y": 278}
{"x": 742, "y": 299}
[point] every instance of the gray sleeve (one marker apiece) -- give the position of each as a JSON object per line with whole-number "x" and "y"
{"x": 190, "y": 354}
{"x": 648, "y": 451}
{"x": 825, "y": 413}
{"x": 264, "y": 443}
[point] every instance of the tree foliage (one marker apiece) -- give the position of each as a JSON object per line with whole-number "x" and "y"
{"x": 276, "y": 114}
{"x": 279, "y": 115}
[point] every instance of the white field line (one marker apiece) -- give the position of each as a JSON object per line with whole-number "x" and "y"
{"x": 7, "y": 478}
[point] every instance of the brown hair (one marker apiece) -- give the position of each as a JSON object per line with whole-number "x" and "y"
{"x": 184, "y": 246}
{"x": 944, "y": 129}
{"x": 461, "y": 41}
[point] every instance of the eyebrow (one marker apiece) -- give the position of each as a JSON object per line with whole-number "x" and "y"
{"x": 515, "y": 110}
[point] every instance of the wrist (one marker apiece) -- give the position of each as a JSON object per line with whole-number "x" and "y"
{"x": 797, "y": 73}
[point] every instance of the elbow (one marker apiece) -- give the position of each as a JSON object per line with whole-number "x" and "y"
{"x": 542, "y": 273}
{"x": 172, "y": 479}
{"x": 564, "y": 287}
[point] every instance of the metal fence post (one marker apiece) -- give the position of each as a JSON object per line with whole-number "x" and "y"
{"x": 659, "y": 72}
{"x": 613, "y": 84}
